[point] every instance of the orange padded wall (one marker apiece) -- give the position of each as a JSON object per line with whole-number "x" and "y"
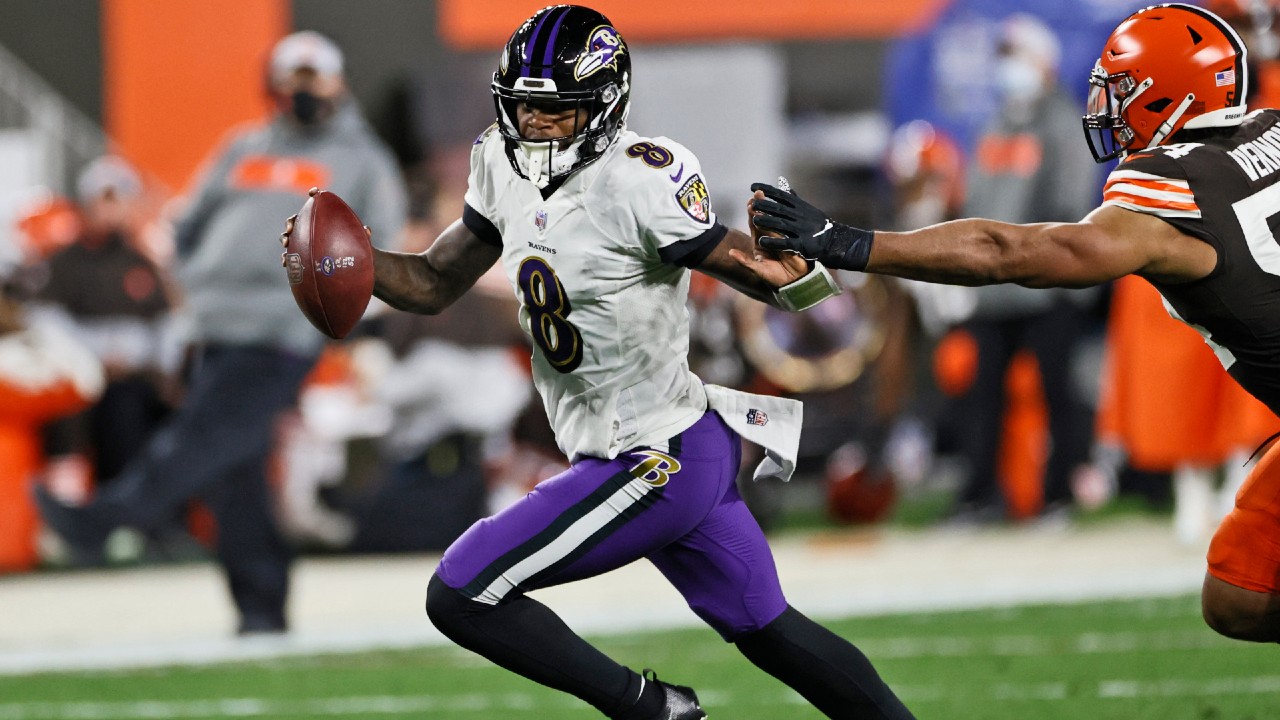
{"x": 180, "y": 73}
{"x": 469, "y": 24}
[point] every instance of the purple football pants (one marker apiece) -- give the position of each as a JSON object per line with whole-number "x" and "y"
{"x": 675, "y": 504}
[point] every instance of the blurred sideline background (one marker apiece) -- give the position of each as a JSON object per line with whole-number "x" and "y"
{"x": 860, "y": 103}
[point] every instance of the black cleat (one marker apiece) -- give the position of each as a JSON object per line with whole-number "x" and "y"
{"x": 682, "y": 702}
{"x": 82, "y": 531}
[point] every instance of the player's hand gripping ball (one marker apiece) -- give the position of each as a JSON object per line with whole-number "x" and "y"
{"x": 329, "y": 262}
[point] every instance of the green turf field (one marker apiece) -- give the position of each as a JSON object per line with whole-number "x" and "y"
{"x": 1131, "y": 660}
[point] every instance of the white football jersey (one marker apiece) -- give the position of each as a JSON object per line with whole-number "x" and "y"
{"x": 606, "y": 314}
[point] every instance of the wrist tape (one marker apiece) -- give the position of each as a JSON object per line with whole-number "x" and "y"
{"x": 808, "y": 291}
{"x": 849, "y": 247}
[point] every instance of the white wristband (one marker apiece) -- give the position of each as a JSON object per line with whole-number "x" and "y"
{"x": 808, "y": 291}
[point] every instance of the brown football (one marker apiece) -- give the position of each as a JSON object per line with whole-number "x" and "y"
{"x": 329, "y": 263}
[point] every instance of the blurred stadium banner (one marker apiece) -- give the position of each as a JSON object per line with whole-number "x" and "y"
{"x": 470, "y": 25}
{"x": 178, "y": 75}
{"x": 944, "y": 74}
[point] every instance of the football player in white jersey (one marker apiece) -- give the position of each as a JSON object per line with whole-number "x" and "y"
{"x": 597, "y": 229}
{"x": 1191, "y": 208}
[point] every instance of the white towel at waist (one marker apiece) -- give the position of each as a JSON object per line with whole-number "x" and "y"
{"x": 770, "y": 422}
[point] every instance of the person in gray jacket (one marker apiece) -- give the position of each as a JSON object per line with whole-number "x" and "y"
{"x": 1026, "y": 168}
{"x": 251, "y": 347}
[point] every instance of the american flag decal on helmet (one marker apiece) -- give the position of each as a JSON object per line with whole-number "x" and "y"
{"x": 1226, "y": 77}
{"x": 757, "y": 417}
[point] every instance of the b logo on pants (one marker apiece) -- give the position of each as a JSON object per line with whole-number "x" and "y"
{"x": 656, "y": 469}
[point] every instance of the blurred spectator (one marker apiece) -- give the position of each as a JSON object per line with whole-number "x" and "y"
{"x": 405, "y": 436}
{"x": 251, "y": 346}
{"x": 1027, "y": 168}
{"x": 943, "y": 72}
{"x": 45, "y": 225}
{"x": 925, "y": 169}
{"x": 114, "y": 298}
{"x": 44, "y": 372}
{"x": 454, "y": 387}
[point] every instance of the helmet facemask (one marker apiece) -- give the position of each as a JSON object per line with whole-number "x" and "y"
{"x": 1105, "y": 129}
{"x": 544, "y": 160}
{"x": 564, "y": 58}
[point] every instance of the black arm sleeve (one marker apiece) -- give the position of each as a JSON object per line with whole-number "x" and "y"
{"x": 480, "y": 226}
{"x": 690, "y": 253}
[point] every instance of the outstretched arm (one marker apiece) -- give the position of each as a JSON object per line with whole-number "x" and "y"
{"x": 985, "y": 252}
{"x": 430, "y": 281}
{"x": 1110, "y": 243}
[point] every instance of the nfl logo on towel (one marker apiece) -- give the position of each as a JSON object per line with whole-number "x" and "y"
{"x": 1226, "y": 77}
{"x": 757, "y": 417}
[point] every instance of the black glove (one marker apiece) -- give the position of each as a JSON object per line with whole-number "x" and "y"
{"x": 808, "y": 232}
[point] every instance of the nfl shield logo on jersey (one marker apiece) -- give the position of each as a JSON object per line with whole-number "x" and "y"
{"x": 757, "y": 417}
{"x": 540, "y": 220}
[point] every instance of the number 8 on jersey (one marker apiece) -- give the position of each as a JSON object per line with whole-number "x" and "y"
{"x": 548, "y": 305}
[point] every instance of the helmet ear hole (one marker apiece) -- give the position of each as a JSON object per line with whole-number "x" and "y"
{"x": 1156, "y": 106}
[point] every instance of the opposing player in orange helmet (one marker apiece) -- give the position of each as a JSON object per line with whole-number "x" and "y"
{"x": 1188, "y": 209}
{"x": 1165, "y": 68}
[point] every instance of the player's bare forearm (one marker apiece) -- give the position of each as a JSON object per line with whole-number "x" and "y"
{"x": 985, "y": 252}
{"x": 1105, "y": 245}
{"x": 404, "y": 281}
{"x": 751, "y": 270}
{"x": 430, "y": 281}
{"x": 755, "y": 293}
{"x": 962, "y": 252}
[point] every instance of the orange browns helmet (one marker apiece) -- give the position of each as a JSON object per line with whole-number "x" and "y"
{"x": 1163, "y": 69}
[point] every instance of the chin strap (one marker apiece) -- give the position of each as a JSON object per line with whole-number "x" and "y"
{"x": 542, "y": 163}
{"x": 1167, "y": 126}
{"x": 534, "y": 166}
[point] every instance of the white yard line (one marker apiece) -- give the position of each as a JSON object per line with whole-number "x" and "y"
{"x": 181, "y": 615}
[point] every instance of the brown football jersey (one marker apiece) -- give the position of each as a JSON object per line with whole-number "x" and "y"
{"x": 1225, "y": 190}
